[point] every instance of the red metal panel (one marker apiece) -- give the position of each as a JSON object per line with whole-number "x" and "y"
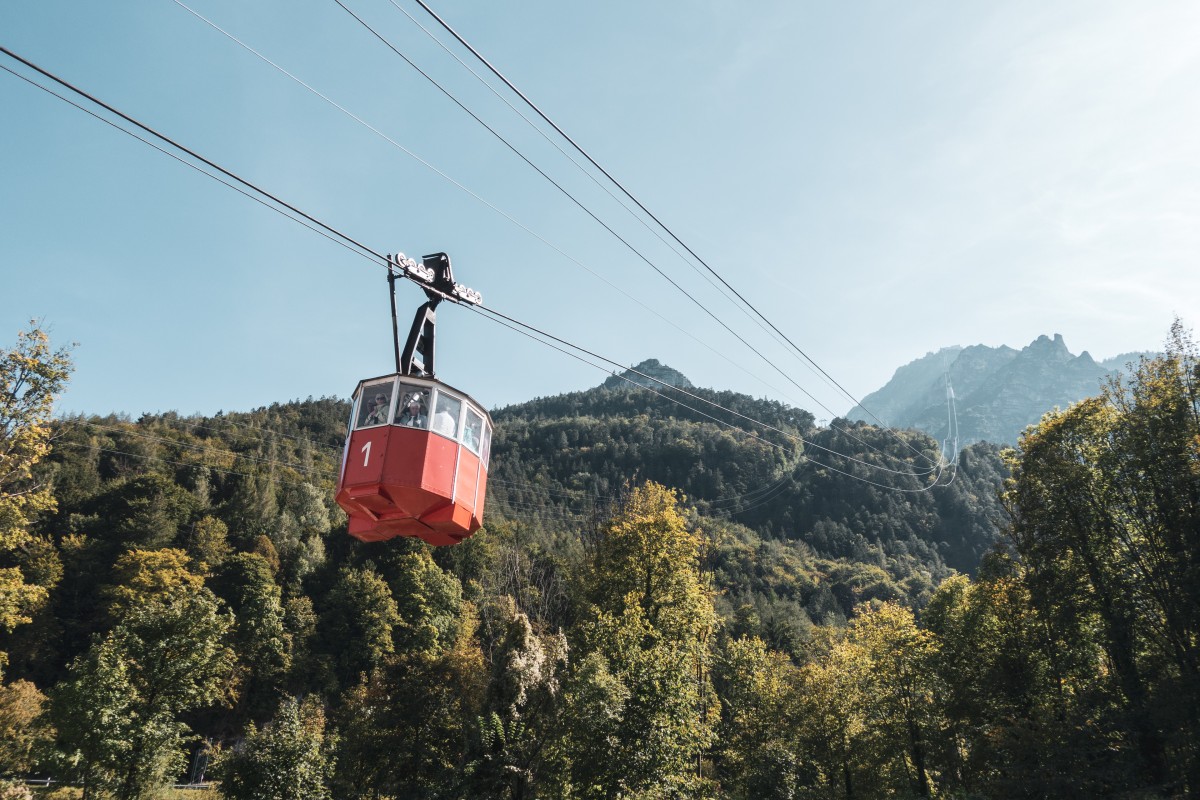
{"x": 406, "y": 457}
{"x": 440, "y": 456}
{"x": 468, "y": 478}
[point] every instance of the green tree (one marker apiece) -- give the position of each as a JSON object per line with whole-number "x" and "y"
{"x": 1105, "y": 504}
{"x": 207, "y": 542}
{"x": 146, "y": 511}
{"x": 31, "y": 376}
{"x": 520, "y": 712}
{"x": 756, "y": 754}
{"x": 642, "y": 684}
{"x": 357, "y": 623}
{"x": 299, "y": 530}
{"x": 260, "y": 639}
{"x": 300, "y": 624}
{"x": 118, "y": 711}
{"x": 404, "y": 729}
{"x": 428, "y": 599}
{"x": 1020, "y": 692}
{"x": 289, "y": 759}
{"x": 1070, "y": 538}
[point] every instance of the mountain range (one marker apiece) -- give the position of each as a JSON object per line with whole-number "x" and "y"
{"x": 997, "y": 391}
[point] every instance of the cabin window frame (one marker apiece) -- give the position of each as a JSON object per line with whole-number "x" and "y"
{"x": 468, "y": 412}
{"x": 369, "y": 389}
{"x": 407, "y": 386}
{"x": 437, "y": 402}
{"x": 485, "y": 445}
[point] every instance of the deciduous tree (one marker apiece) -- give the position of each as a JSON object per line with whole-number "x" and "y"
{"x": 31, "y": 376}
{"x": 290, "y": 758}
{"x": 25, "y": 731}
{"x": 643, "y": 683}
{"x": 1105, "y": 502}
{"x": 757, "y": 753}
{"x": 118, "y": 712}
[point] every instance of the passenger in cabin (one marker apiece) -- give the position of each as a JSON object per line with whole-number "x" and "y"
{"x": 444, "y": 423}
{"x": 471, "y": 437}
{"x": 413, "y": 414}
{"x": 379, "y": 410}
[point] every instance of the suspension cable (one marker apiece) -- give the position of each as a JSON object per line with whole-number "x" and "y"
{"x": 370, "y": 254}
{"x": 645, "y": 210}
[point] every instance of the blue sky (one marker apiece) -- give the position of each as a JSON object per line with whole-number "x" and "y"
{"x": 880, "y": 179}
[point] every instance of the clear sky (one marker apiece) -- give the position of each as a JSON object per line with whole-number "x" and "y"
{"x": 880, "y": 179}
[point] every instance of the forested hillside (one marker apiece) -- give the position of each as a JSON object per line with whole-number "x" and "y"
{"x": 848, "y": 490}
{"x": 657, "y": 607}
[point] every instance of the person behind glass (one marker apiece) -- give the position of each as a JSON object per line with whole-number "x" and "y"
{"x": 471, "y": 438}
{"x": 444, "y": 423}
{"x": 411, "y": 415}
{"x": 379, "y": 411}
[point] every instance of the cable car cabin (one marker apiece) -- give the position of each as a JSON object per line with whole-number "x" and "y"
{"x": 415, "y": 462}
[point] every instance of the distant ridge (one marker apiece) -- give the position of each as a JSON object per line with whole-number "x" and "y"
{"x": 653, "y": 368}
{"x": 998, "y": 391}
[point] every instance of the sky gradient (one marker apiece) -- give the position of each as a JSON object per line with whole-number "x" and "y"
{"x": 879, "y": 179}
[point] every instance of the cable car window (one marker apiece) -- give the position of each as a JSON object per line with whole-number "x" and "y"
{"x": 472, "y": 430}
{"x": 375, "y": 404}
{"x": 445, "y": 417}
{"x": 414, "y": 407}
{"x": 485, "y": 452}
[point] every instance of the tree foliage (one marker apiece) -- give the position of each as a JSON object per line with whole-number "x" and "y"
{"x": 31, "y": 376}
{"x": 643, "y": 682}
{"x": 25, "y": 733}
{"x": 289, "y": 759}
{"x": 118, "y": 712}
{"x": 1105, "y": 500}
{"x": 785, "y": 632}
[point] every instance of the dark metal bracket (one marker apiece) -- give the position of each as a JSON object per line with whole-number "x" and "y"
{"x": 436, "y": 277}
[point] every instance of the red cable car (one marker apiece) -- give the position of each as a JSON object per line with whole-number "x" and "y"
{"x": 417, "y": 452}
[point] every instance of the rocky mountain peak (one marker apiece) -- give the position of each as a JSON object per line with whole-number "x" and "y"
{"x": 1045, "y": 347}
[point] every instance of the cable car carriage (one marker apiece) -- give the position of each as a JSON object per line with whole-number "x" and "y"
{"x": 416, "y": 455}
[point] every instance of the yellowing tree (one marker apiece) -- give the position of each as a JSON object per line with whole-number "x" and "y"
{"x": 146, "y": 576}
{"x": 119, "y": 711}
{"x": 900, "y": 691}
{"x": 833, "y": 729}
{"x": 648, "y": 557}
{"x": 867, "y": 707}
{"x": 31, "y": 375}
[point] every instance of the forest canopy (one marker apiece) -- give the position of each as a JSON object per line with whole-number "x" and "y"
{"x": 658, "y": 606}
